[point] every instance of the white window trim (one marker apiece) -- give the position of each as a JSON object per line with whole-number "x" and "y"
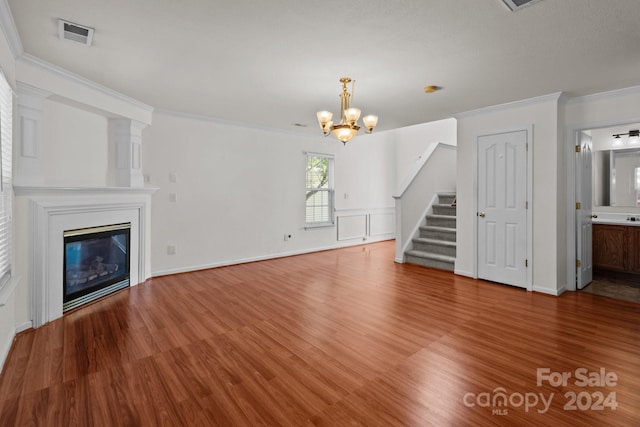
{"x": 331, "y": 190}
{"x": 7, "y": 282}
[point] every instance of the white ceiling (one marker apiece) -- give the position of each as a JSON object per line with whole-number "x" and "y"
{"x": 275, "y": 63}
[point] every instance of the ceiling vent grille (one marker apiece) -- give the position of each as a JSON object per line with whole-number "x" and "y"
{"x": 515, "y": 5}
{"x": 74, "y": 32}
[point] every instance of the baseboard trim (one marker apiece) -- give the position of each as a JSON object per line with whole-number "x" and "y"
{"x": 5, "y": 350}
{"x": 23, "y": 327}
{"x": 463, "y": 273}
{"x": 550, "y": 291}
{"x": 342, "y": 244}
{"x": 7, "y": 290}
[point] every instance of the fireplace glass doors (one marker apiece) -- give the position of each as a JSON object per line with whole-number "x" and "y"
{"x": 96, "y": 263}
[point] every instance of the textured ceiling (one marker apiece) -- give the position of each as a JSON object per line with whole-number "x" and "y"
{"x": 275, "y": 63}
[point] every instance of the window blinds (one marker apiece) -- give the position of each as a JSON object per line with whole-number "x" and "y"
{"x": 6, "y": 118}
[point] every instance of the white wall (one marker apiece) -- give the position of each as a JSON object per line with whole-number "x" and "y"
{"x": 75, "y": 146}
{"x": 542, "y": 115}
{"x": 240, "y": 190}
{"x": 413, "y": 141}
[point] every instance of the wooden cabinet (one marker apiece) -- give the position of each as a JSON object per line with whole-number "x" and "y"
{"x": 610, "y": 247}
{"x": 633, "y": 255}
{"x": 616, "y": 248}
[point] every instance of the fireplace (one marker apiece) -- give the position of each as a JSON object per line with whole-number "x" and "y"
{"x": 96, "y": 263}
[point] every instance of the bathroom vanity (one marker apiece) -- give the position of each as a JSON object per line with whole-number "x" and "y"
{"x": 616, "y": 246}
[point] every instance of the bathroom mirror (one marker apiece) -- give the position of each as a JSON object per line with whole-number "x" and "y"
{"x": 616, "y": 177}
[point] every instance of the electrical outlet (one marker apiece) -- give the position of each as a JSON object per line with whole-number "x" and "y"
{"x": 171, "y": 250}
{"x": 173, "y": 197}
{"x": 147, "y": 179}
{"x": 173, "y": 177}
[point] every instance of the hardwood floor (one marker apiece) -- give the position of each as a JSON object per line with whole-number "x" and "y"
{"x": 344, "y": 337}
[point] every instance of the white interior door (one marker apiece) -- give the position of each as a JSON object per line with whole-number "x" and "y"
{"x": 583, "y": 212}
{"x": 502, "y": 208}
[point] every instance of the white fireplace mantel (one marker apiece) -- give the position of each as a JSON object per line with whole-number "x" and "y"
{"x": 52, "y": 210}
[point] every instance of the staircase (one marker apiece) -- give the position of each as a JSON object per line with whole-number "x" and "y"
{"x": 436, "y": 245}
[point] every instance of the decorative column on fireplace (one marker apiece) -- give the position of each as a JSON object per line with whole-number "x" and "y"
{"x": 96, "y": 263}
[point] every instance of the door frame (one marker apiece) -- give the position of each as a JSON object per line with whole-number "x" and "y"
{"x": 572, "y": 139}
{"x": 529, "y": 226}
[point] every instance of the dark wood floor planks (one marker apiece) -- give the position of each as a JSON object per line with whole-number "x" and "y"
{"x": 344, "y": 337}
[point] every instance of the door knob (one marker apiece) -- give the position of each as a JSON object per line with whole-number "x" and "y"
{"x": 481, "y": 214}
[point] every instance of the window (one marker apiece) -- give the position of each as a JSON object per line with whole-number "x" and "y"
{"x": 319, "y": 196}
{"x": 6, "y": 116}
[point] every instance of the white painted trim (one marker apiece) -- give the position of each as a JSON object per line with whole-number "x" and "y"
{"x": 634, "y": 90}
{"x": 417, "y": 166}
{"x": 28, "y": 190}
{"x": 261, "y": 258}
{"x": 360, "y": 236}
{"x": 218, "y": 121}
{"x": 43, "y": 210}
{"x": 75, "y": 78}
{"x": 351, "y": 211}
{"x": 549, "y": 291}
{"x": 464, "y": 273}
{"x": 7, "y": 290}
{"x": 23, "y": 327}
{"x": 5, "y": 349}
{"x": 9, "y": 29}
{"x": 509, "y": 105}
{"x": 370, "y": 221}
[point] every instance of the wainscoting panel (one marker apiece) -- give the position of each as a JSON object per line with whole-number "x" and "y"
{"x": 352, "y": 227}
{"x": 381, "y": 223}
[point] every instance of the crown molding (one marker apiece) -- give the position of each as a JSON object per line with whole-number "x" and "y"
{"x": 8, "y": 27}
{"x": 634, "y": 90}
{"x": 223, "y": 122}
{"x": 28, "y": 190}
{"x": 510, "y": 105}
{"x": 75, "y": 78}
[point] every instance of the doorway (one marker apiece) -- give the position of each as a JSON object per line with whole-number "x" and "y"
{"x": 606, "y": 185}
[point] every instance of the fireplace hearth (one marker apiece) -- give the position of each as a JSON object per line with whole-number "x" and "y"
{"x": 96, "y": 263}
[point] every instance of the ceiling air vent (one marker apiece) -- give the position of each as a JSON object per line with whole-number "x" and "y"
{"x": 518, "y": 4}
{"x": 74, "y": 32}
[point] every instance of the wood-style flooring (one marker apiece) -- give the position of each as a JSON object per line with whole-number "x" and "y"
{"x": 336, "y": 338}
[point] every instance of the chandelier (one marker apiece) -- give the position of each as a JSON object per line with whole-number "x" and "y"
{"x": 348, "y": 127}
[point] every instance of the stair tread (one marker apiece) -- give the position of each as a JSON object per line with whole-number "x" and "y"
{"x": 437, "y": 228}
{"x": 434, "y": 241}
{"x": 436, "y": 216}
{"x": 429, "y": 255}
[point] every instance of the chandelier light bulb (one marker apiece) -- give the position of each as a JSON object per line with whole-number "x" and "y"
{"x": 370, "y": 122}
{"x": 351, "y": 115}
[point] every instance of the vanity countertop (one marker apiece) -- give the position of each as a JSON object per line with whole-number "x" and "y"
{"x": 616, "y": 219}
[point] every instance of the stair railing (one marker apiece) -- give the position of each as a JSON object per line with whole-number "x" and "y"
{"x": 434, "y": 172}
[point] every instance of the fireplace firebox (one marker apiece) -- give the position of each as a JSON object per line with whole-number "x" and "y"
{"x": 96, "y": 263}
